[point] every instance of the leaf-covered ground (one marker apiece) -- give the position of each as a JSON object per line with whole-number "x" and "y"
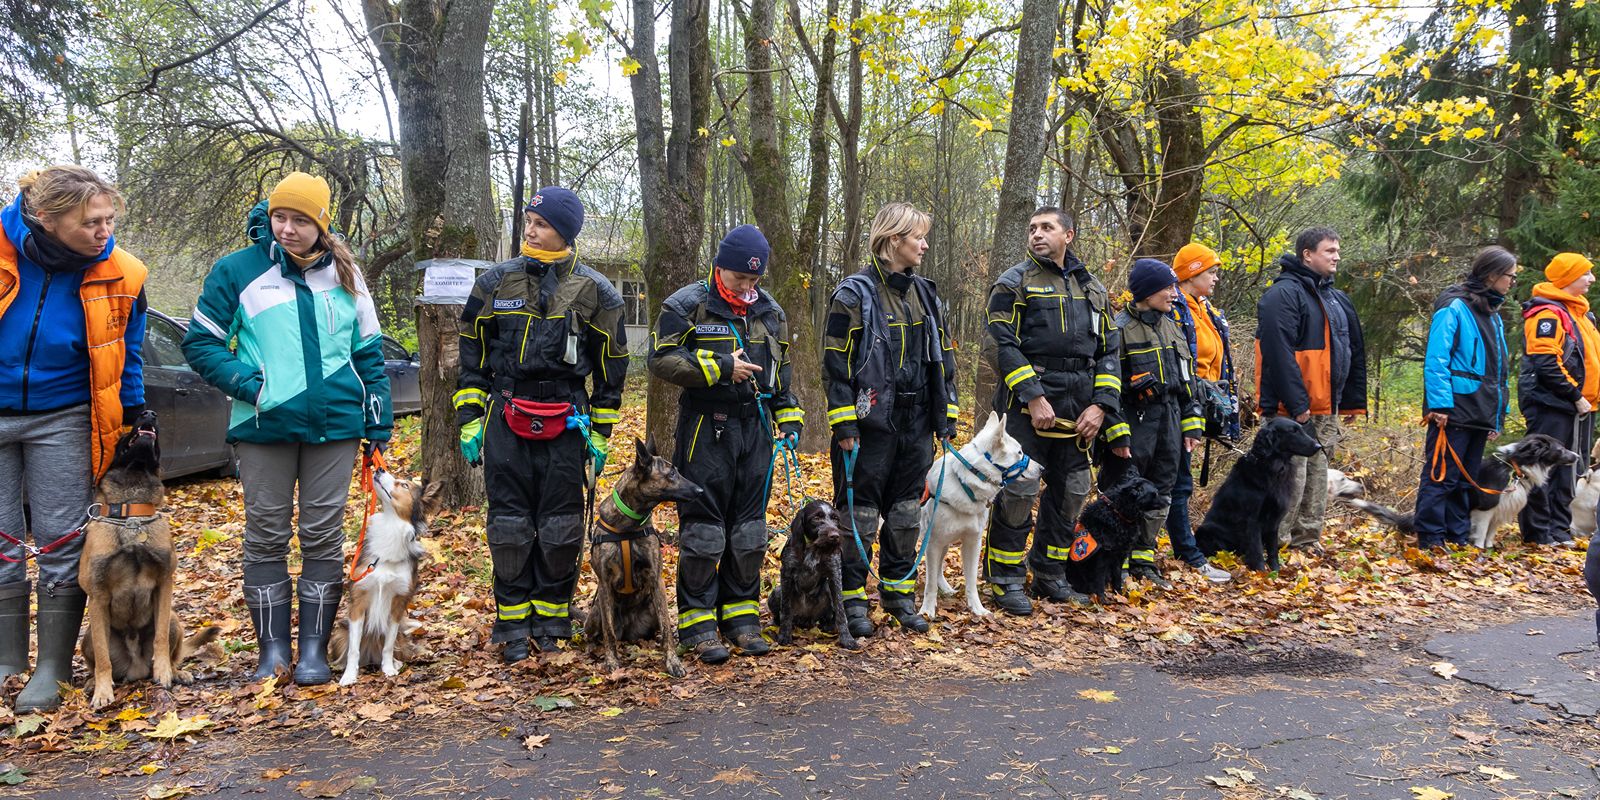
{"x": 1369, "y": 591}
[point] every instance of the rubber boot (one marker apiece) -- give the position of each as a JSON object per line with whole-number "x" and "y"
{"x": 14, "y": 627}
{"x": 270, "y": 605}
{"x": 908, "y": 619}
{"x": 319, "y": 606}
{"x": 60, "y": 617}
{"x": 1011, "y": 599}
{"x": 1057, "y": 590}
{"x": 855, "y": 616}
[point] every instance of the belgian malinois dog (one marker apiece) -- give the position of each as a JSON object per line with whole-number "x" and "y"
{"x": 630, "y": 604}
{"x": 127, "y": 569}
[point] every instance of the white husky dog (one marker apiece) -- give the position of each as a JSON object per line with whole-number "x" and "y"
{"x": 991, "y": 460}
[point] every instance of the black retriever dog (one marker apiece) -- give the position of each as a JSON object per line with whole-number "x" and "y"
{"x": 1245, "y": 512}
{"x": 810, "y": 588}
{"x": 1106, "y": 533}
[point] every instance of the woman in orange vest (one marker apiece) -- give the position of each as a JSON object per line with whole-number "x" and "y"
{"x": 1558, "y": 386}
{"x": 71, "y": 330}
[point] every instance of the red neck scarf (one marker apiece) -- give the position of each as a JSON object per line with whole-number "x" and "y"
{"x": 740, "y": 305}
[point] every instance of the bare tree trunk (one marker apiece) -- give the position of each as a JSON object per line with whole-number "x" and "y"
{"x": 433, "y": 54}
{"x": 1029, "y": 130}
{"x": 672, "y": 172}
{"x": 853, "y": 182}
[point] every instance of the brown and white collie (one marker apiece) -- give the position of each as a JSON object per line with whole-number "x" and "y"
{"x": 387, "y": 569}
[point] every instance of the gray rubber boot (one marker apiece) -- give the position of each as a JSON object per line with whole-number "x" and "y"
{"x": 14, "y": 627}
{"x": 270, "y": 605}
{"x": 60, "y": 618}
{"x": 319, "y": 606}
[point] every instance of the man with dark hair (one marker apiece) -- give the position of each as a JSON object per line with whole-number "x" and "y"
{"x": 1059, "y": 361}
{"x": 1311, "y": 366}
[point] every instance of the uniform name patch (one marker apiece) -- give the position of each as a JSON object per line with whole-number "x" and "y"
{"x": 507, "y": 305}
{"x": 1546, "y": 329}
{"x": 710, "y": 329}
{"x": 1042, "y": 289}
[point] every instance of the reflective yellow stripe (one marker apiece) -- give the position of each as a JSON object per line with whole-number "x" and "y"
{"x": 605, "y": 416}
{"x": 898, "y": 587}
{"x": 1019, "y": 375}
{"x": 471, "y": 397}
{"x": 1058, "y": 553}
{"x": 1143, "y": 556}
{"x": 692, "y": 618}
{"x": 708, "y": 366}
{"x": 789, "y": 415}
{"x": 1118, "y": 431}
{"x": 842, "y": 414}
{"x": 855, "y": 594}
{"x": 740, "y": 609}
{"x": 544, "y": 609}
{"x": 1006, "y": 556}
{"x": 519, "y": 611}
{"x": 952, "y": 410}
{"x": 1104, "y": 381}
{"x": 1193, "y": 424}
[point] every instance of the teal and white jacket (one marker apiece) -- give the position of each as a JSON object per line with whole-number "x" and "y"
{"x": 301, "y": 356}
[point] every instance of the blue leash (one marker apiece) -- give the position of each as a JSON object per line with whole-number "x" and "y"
{"x": 850, "y": 457}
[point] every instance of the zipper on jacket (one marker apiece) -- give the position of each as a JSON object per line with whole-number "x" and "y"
{"x": 256, "y": 417}
{"x": 327, "y": 302}
{"x": 33, "y": 333}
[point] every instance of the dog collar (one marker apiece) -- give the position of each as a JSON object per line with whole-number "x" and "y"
{"x": 616, "y": 500}
{"x": 129, "y": 510}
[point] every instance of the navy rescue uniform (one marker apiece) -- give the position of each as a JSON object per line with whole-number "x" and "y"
{"x": 889, "y": 369}
{"x": 724, "y": 444}
{"x": 533, "y": 331}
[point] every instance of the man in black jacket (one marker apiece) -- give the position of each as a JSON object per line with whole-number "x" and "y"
{"x": 1311, "y": 366}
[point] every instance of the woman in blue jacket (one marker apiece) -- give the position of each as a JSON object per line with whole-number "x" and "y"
{"x": 1464, "y": 375}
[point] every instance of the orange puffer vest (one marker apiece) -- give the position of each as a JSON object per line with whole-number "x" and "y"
{"x": 109, "y": 290}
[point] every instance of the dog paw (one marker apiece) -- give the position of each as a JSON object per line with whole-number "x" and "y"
{"x": 675, "y": 668}
{"x": 849, "y": 643}
{"x": 183, "y": 676}
{"x": 163, "y": 675}
{"x": 980, "y": 611}
{"x": 347, "y": 680}
{"x": 102, "y": 698}
{"x": 391, "y": 668}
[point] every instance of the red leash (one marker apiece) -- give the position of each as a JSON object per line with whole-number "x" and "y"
{"x": 29, "y": 551}
{"x": 375, "y": 459}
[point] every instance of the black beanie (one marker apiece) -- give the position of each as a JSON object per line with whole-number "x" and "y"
{"x": 561, "y": 208}
{"x": 745, "y": 250}
{"x": 1150, "y": 276}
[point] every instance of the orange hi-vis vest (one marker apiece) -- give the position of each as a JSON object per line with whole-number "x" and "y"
{"x": 109, "y": 291}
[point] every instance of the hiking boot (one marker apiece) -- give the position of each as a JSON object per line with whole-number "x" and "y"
{"x": 1152, "y": 575}
{"x": 1057, "y": 590}
{"x": 751, "y": 643}
{"x": 1214, "y": 574}
{"x": 856, "y": 619}
{"x": 1012, "y": 599}
{"x": 515, "y": 650}
{"x": 710, "y": 651}
{"x": 547, "y": 644}
{"x": 908, "y": 619}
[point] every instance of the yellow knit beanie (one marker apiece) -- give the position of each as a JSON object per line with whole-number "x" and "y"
{"x": 307, "y": 194}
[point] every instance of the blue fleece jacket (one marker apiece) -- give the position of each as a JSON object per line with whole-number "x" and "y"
{"x": 44, "y": 353}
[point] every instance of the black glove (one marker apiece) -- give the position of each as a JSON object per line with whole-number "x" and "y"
{"x": 371, "y": 447}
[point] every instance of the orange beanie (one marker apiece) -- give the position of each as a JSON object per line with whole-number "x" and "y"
{"x": 1566, "y": 268}
{"x": 1193, "y": 259}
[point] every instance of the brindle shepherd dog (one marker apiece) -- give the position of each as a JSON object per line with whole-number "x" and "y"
{"x": 630, "y": 604}
{"x": 127, "y": 569}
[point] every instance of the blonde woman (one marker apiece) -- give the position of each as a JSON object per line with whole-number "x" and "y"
{"x": 889, "y": 370}
{"x": 71, "y": 331}
{"x": 307, "y": 377}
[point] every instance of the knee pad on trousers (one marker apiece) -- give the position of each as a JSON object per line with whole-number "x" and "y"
{"x": 748, "y": 541}
{"x": 702, "y": 544}
{"x": 1075, "y": 491}
{"x": 510, "y": 544}
{"x": 1015, "y": 503}
{"x": 867, "y": 522}
{"x": 905, "y": 523}
{"x": 1154, "y": 521}
{"x": 560, "y": 539}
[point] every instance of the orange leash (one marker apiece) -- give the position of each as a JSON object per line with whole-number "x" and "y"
{"x": 1441, "y": 446}
{"x": 367, "y": 464}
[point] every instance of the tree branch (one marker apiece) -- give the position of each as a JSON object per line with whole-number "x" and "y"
{"x": 155, "y": 73}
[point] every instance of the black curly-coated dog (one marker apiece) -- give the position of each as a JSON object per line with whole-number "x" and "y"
{"x": 810, "y": 588}
{"x": 1112, "y": 522}
{"x": 1245, "y": 512}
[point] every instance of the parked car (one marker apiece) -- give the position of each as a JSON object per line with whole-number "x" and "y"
{"x": 193, "y": 413}
{"x": 402, "y": 367}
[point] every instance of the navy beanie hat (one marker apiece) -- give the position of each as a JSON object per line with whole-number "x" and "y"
{"x": 745, "y": 250}
{"x": 561, "y": 208}
{"x": 1150, "y": 276}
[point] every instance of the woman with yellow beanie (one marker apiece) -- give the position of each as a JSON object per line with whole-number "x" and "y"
{"x": 1198, "y": 269}
{"x": 1558, "y": 386}
{"x": 308, "y": 383}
